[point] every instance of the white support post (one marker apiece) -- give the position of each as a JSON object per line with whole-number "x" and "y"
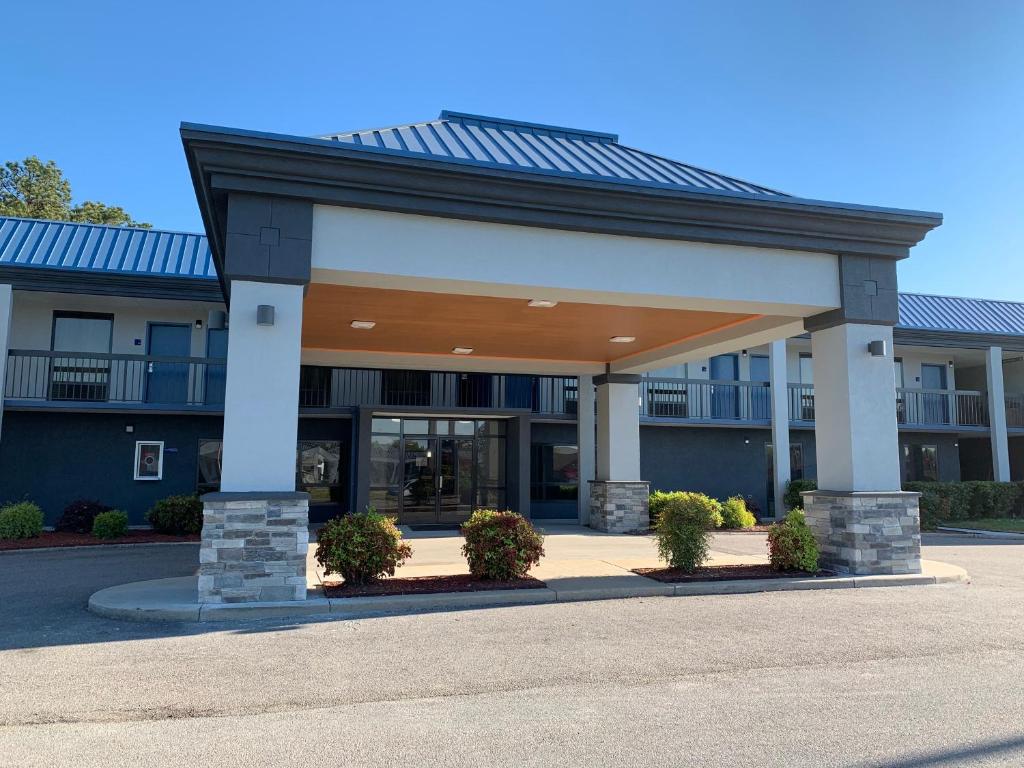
{"x": 778, "y": 382}
{"x": 586, "y": 450}
{"x": 997, "y": 414}
{"x": 6, "y": 302}
{"x": 863, "y": 522}
{"x": 618, "y": 430}
{"x": 261, "y": 402}
{"x": 618, "y": 497}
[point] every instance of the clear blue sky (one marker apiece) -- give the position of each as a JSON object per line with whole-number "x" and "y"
{"x": 913, "y": 103}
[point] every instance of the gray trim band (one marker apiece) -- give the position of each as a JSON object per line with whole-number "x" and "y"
{"x": 616, "y": 378}
{"x": 110, "y": 284}
{"x": 960, "y": 339}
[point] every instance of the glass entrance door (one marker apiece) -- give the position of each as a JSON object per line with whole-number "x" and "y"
{"x": 419, "y": 491}
{"x": 426, "y": 471}
{"x": 455, "y": 480}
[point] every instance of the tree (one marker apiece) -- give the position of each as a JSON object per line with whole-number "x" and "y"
{"x": 33, "y": 189}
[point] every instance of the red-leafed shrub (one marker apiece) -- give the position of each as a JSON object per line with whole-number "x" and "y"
{"x": 362, "y": 547}
{"x": 501, "y": 545}
{"x": 79, "y": 515}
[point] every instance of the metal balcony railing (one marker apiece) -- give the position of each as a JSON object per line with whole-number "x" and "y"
{"x": 1014, "y": 410}
{"x": 119, "y": 379}
{"x": 801, "y": 402}
{"x": 699, "y": 399}
{"x": 941, "y": 407}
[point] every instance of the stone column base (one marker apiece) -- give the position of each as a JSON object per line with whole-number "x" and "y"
{"x": 253, "y": 547}
{"x": 866, "y": 533}
{"x": 620, "y": 506}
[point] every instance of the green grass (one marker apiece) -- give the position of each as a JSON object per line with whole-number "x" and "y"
{"x": 1008, "y": 524}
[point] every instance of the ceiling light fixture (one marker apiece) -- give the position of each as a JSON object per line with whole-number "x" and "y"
{"x": 462, "y": 350}
{"x": 363, "y": 325}
{"x": 543, "y": 303}
{"x": 622, "y": 339}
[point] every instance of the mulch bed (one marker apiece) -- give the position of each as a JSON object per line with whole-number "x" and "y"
{"x": 63, "y": 539}
{"x": 425, "y": 585}
{"x": 723, "y": 573}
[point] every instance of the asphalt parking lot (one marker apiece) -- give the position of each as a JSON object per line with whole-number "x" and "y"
{"x": 909, "y": 676}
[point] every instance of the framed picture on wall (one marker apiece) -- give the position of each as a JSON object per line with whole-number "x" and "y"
{"x": 149, "y": 460}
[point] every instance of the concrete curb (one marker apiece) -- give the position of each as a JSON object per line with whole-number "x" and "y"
{"x": 981, "y": 534}
{"x": 175, "y": 599}
{"x": 90, "y": 547}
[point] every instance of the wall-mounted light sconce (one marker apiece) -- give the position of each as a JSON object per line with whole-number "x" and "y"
{"x": 703, "y": 369}
{"x": 129, "y": 428}
{"x": 199, "y": 325}
{"x": 950, "y": 363}
{"x": 265, "y": 314}
{"x": 746, "y": 441}
{"x": 956, "y": 445}
{"x": 877, "y": 348}
{"x": 743, "y": 352}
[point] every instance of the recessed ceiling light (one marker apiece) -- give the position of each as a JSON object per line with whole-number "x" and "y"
{"x": 544, "y": 303}
{"x": 363, "y": 325}
{"x": 622, "y": 339}
{"x": 462, "y": 350}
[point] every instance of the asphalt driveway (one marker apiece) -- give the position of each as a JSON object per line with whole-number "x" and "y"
{"x": 910, "y": 676}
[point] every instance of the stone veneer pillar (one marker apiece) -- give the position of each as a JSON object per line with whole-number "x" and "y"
{"x": 620, "y": 506}
{"x": 253, "y": 547}
{"x": 866, "y": 533}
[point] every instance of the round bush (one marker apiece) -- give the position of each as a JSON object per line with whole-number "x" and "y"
{"x": 792, "y": 498}
{"x": 177, "y": 515}
{"x": 362, "y": 547}
{"x": 500, "y": 545}
{"x": 736, "y": 515}
{"x": 112, "y": 524}
{"x": 791, "y": 545}
{"x": 684, "y": 529}
{"x": 78, "y": 516}
{"x": 23, "y": 520}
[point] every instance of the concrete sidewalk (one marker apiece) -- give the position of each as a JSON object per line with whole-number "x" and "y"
{"x": 580, "y": 564}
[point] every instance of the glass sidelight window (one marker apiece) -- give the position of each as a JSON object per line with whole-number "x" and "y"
{"x": 554, "y": 472}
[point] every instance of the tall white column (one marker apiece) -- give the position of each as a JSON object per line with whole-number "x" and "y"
{"x": 855, "y": 409}
{"x": 6, "y": 302}
{"x": 862, "y": 520}
{"x": 778, "y": 382}
{"x": 585, "y": 434}
{"x": 261, "y": 401}
{"x": 618, "y": 427}
{"x": 997, "y": 414}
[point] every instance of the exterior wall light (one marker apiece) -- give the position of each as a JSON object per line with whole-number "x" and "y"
{"x": 462, "y": 350}
{"x": 265, "y": 314}
{"x": 199, "y": 325}
{"x": 877, "y": 348}
{"x": 363, "y": 325}
{"x": 543, "y": 303}
{"x": 622, "y": 339}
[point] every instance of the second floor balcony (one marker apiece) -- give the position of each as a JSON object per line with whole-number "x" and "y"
{"x": 61, "y": 379}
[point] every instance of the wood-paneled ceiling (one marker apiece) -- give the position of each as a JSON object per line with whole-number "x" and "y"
{"x": 414, "y": 322}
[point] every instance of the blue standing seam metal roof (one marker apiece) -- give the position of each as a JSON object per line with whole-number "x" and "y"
{"x": 547, "y": 149}
{"x": 952, "y": 313}
{"x": 92, "y": 248}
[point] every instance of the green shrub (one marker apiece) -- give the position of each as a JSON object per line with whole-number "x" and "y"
{"x": 735, "y": 513}
{"x": 684, "y": 529}
{"x": 78, "y": 516}
{"x": 656, "y": 503}
{"x": 177, "y": 515}
{"x": 361, "y": 547}
{"x": 792, "y": 498}
{"x": 21, "y": 520}
{"x": 791, "y": 545}
{"x": 112, "y": 524}
{"x": 500, "y": 545}
{"x": 943, "y": 503}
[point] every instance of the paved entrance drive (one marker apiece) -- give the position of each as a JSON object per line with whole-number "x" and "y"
{"x": 911, "y": 677}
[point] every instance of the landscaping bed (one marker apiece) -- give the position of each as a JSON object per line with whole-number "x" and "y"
{"x": 426, "y": 585}
{"x": 723, "y": 573}
{"x": 68, "y": 539}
